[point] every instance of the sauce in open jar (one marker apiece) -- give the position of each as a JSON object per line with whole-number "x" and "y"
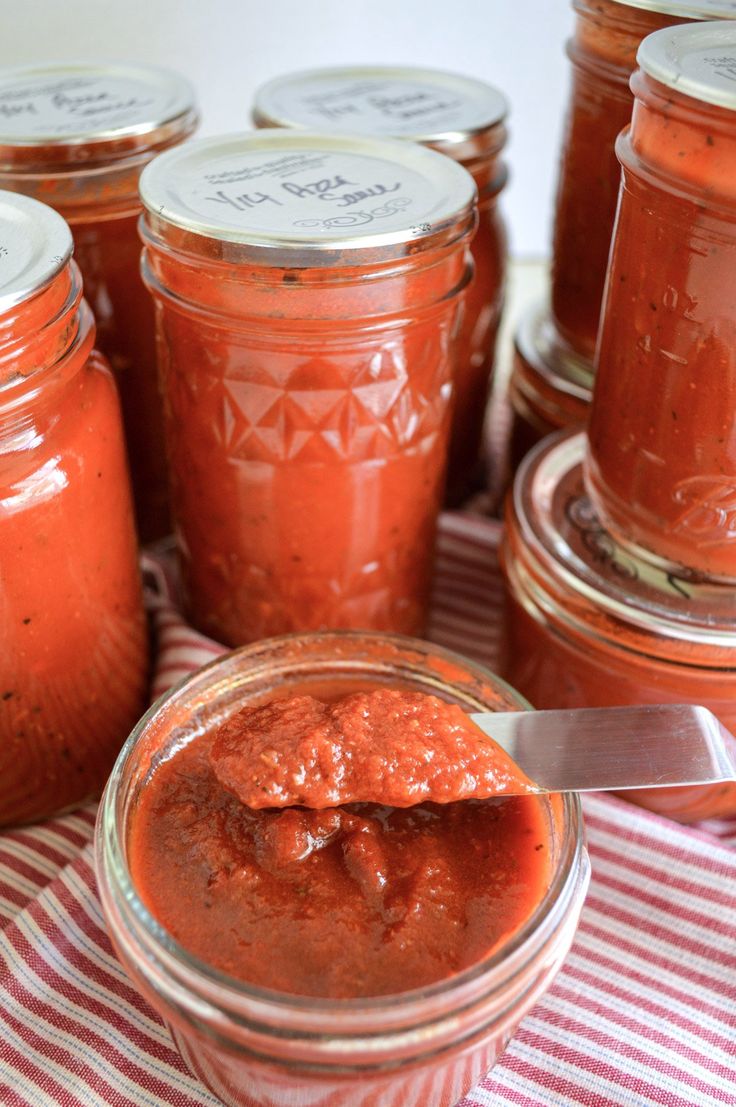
{"x": 462, "y": 118}
{"x": 73, "y": 663}
{"x": 77, "y": 137}
{"x": 661, "y": 461}
{"x": 307, "y": 291}
{"x": 589, "y": 625}
{"x": 337, "y": 993}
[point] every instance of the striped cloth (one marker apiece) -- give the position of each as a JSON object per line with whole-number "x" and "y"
{"x": 643, "y": 1012}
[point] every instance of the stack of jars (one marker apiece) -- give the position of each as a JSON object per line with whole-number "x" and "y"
{"x": 620, "y": 554}
{"x": 553, "y": 370}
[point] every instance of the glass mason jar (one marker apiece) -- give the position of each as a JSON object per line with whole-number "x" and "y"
{"x": 588, "y": 625}
{"x": 603, "y": 54}
{"x": 73, "y": 664}
{"x": 307, "y": 291}
{"x": 464, "y": 119}
{"x": 661, "y": 462}
{"x": 77, "y": 137}
{"x": 549, "y": 388}
{"x": 252, "y": 1046}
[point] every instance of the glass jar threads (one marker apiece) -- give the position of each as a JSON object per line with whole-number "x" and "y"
{"x": 77, "y": 137}
{"x": 661, "y": 460}
{"x": 589, "y": 625}
{"x": 307, "y": 291}
{"x": 73, "y": 664}
{"x": 464, "y": 119}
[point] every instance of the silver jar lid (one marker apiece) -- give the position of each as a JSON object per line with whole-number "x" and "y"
{"x": 69, "y": 105}
{"x": 695, "y": 59}
{"x": 295, "y": 198}
{"x": 35, "y": 245}
{"x": 686, "y": 9}
{"x": 567, "y": 544}
{"x": 443, "y": 110}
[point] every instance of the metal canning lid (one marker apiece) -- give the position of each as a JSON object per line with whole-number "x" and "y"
{"x": 424, "y": 105}
{"x": 541, "y": 348}
{"x": 696, "y": 59}
{"x": 67, "y": 105}
{"x": 686, "y": 9}
{"x": 562, "y": 534}
{"x": 277, "y": 192}
{"x": 35, "y": 245}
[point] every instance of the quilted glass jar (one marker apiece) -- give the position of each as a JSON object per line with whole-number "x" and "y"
{"x": 462, "y": 118}
{"x": 307, "y": 292}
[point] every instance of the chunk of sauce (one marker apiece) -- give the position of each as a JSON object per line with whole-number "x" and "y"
{"x": 358, "y": 900}
{"x": 386, "y": 746}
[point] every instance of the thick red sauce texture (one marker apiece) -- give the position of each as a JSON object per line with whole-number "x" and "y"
{"x": 387, "y": 746}
{"x": 358, "y": 900}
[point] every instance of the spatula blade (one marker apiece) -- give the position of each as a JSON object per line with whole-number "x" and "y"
{"x": 615, "y": 748}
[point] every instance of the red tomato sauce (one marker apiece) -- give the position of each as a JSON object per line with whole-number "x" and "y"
{"x": 357, "y": 900}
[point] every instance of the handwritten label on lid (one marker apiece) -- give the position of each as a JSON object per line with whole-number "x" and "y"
{"x": 382, "y": 104}
{"x": 305, "y": 190}
{"x": 696, "y": 59}
{"x": 73, "y": 103}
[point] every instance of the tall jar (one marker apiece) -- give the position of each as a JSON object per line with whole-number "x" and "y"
{"x": 307, "y": 291}
{"x": 77, "y": 137}
{"x": 589, "y": 625}
{"x": 462, "y": 118}
{"x": 73, "y": 656}
{"x": 661, "y": 461}
{"x": 255, "y": 1047}
{"x": 602, "y": 51}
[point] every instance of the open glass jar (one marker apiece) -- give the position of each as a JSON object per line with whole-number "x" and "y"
{"x": 589, "y": 625}
{"x": 73, "y": 663}
{"x": 661, "y": 461}
{"x": 307, "y": 291}
{"x": 258, "y": 1048}
{"x": 77, "y": 137}
{"x": 462, "y": 118}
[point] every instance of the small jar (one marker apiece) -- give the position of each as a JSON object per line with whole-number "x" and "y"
{"x": 550, "y": 387}
{"x": 661, "y": 461}
{"x": 588, "y": 625}
{"x": 73, "y": 663}
{"x": 464, "y": 119}
{"x": 307, "y": 292}
{"x": 259, "y": 1048}
{"x": 77, "y": 137}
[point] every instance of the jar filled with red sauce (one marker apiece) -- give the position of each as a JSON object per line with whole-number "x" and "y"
{"x": 462, "y": 118}
{"x": 589, "y": 625}
{"x": 602, "y": 50}
{"x": 661, "y": 462}
{"x": 358, "y": 1043}
{"x": 549, "y": 388}
{"x": 73, "y": 663}
{"x": 307, "y": 291}
{"x": 77, "y": 137}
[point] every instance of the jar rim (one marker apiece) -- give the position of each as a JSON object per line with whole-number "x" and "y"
{"x": 566, "y": 546}
{"x": 110, "y": 851}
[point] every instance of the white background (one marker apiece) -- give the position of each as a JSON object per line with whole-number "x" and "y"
{"x": 228, "y": 47}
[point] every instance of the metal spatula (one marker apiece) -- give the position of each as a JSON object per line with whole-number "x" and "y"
{"x": 615, "y": 748}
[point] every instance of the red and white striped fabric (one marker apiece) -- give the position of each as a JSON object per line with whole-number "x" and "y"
{"x": 643, "y": 1013}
